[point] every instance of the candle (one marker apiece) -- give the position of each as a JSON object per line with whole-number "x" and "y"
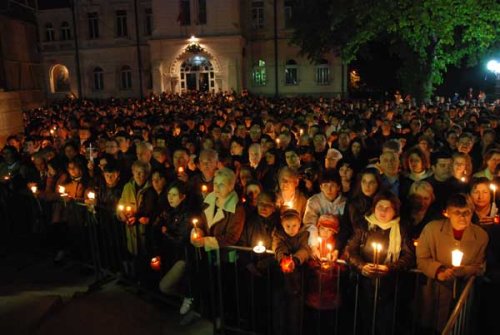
{"x": 330, "y": 249}
{"x": 287, "y": 264}
{"x": 259, "y": 248}
{"x": 62, "y": 190}
{"x": 463, "y": 179}
{"x": 278, "y": 142}
{"x": 156, "y": 263}
{"x": 128, "y": 209}
{"x": 288, "y": 204}
{"x": 320, "y": 246}
{"x": 91, "y": 195}
{"x": 301, "y": 131}
{"x": 456, "y": 257}
{"x": 493, "y": 187}
{"x": 377, "y": 247}
{"x": 90, "y": 153}
{"x": 195, "y": 233}
{"x": 180, "y": 169}
{"x": 121, "y": 208}
{"x": 52, "y": 132}
{"x": 204, "y": 188}
{"x": 34, "y": 189}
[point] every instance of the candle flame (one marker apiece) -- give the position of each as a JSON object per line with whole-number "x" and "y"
{"x": 259, "y": 248}
{"x": 91, "y": 195}
{"x": 128, "y": 209}
{"x": 180, "y": 169}
{"x": 34, "y": 189}
{"x": 493, "y": 187}
{"x": 329, "y": 247}
{"x": 463, "y": 179}
{"x": 204, "y": 188}
{"x": 121, "y": 208}
{"x": 61, "y": 189}
{"x": 195, "y": 221}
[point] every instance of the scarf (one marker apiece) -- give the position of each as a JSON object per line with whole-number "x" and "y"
{"x": 394, "y": 248}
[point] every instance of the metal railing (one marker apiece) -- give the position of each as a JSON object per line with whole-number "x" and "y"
{"x": 460, "y": 319}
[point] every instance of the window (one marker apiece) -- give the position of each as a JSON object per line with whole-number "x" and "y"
{"x": 49, "y": 32}
{"x": 126, "y": 77}
{"x": 288, "y": 8}
{"x": 148, "y": 28}
{"x": 322, "y": 72}
{"x": 291, "y": 73}
{"x": 121, "y": 23}
{"x": 184, "y": 17}
{"x": 258, "y": 14}
{"x": 202, "y": 11}
{"x": 93, "y": 25}
{"x": 65, "y": 31}
{"x": 259, "y": 73}
{"x": 98, "y": 79}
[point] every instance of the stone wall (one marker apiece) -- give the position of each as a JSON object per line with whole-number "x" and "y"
{"x": 11, "y": 117}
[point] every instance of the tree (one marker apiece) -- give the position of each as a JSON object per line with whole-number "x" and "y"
{"x": 429, "y": 35}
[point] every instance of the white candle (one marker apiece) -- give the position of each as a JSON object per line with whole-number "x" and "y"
{"x": 121, "y": 208}
{"x": 34, "y": 189}
{"x": 456, "y": 257}
{"x": 493, "y": 187}
{"x": 91, "y": 195}
{"x": 61, "y": 189}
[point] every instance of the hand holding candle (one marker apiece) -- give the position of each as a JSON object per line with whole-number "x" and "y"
{"x": 287, "y": 265}
{"x": 456, "y": 258}
{"x": 156, "y": 263}
{"x": 493, "y": 187}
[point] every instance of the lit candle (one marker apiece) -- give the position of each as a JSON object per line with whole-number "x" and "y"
{"x": 204, "y": 188}
{"x": 493, "y": 187}
{"x": 180, "y": 169}
{"x": 52, "y": 132}
{"x": 90, "y": 153}
{"x": 91, "y": 195}
{"x": 195, "y": 230}
{"x": 156, "y": 263}
{"x": 320, "y": 246}
{"x": 286, "y": 264}
{"x": 34, "y": 189}
{"x": 278, "y": 142}
{"x": 288, "y": 204}
{"x": 121, "y": 208}
{"x": 259, "y": 248}
{"x": 377, "y": 247}
{"x": 463, "y": 179}
{"x": 330, "y": 249}
{"x": 456, "y": 257}
{"x": 62, "y": 190}
{"x": 128, "y": 209}
{"x": 301, "y": 131}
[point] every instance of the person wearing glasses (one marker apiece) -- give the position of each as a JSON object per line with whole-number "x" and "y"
{"x": 438, "y": 240}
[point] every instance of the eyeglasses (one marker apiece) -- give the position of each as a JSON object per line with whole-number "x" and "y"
{"x": 464, "y": 213}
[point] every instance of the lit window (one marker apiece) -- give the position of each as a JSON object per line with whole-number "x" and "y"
{"x": 291, "y": 73}
{"x": 323, "y": 72}
{"x": 259, "y": 73}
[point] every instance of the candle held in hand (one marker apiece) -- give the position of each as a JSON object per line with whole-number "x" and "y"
{"x": 456, "y": 257}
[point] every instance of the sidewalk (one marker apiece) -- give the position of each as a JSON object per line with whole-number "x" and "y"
{"x": 38, "y": 297}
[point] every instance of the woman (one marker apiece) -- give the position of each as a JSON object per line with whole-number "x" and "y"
{"x": 490, "y": 162}
{"x": 485, "y": 209}
{"x": 382, "y": 228}
{"x": 346, "y": 172}
{"x": 357, "y": 154}
{"x": 223, "y": 214}
{"x": 434, "y": 254}
{"x": 461, "y": 171}
{"x": 417, "y": 166}
{"x": 419, "y": 209}
{"x": 173, "y": 228}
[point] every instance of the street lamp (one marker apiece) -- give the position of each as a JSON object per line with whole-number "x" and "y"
{"x": 494, "y": 66}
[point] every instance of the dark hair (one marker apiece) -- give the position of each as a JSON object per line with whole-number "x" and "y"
{"x": 459, "y": 200}
{"x": 111, "y": 165}
{"x": 389, "y": 196}
{"x": 179, "y": 185}
{"x": 290, "y": 214}
{"x": 370, "y": 170}
{"x": 267, "y": 194}
{"x": 417, "y": 151}
{"x": 330, "y": 175}
{"x": 435, "y": 156}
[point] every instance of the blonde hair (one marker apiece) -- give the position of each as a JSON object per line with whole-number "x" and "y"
{"x": 422, "y": 185}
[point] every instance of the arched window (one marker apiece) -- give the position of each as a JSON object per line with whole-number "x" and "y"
{"x": 291, "y": 73}
{"x": 65, "y": 31}
{"x": 59, "y": 79}
{"x": 322, "y": 72}
{"x": 49, "y": 32}
{"x": 126, "y": 77}
{"x": 98, "y": 75}
{"x": 259, "y": 73}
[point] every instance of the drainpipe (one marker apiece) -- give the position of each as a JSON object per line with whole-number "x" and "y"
{"x": 77, "y": 52}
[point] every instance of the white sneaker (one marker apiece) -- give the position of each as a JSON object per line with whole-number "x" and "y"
{"x": 186, "y": 305}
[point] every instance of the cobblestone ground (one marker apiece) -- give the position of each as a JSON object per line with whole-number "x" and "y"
{"x": 38, "y": 297}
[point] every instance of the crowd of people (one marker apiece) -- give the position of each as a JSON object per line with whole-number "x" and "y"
{"x": 379, "y": 187}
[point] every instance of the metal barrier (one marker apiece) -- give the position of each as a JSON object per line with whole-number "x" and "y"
{"x": 238, "y": 300}
{"x": 459, "y": 321}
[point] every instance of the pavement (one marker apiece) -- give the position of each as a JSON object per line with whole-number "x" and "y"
{"x": 38, "y": 297}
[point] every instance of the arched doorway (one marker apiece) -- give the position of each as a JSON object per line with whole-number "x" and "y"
{"x": 197, "y": 74}
{"x": 59, "y": 79}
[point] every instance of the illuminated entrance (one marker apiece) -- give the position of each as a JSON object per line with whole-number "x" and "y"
{"x": 197, "y": 74}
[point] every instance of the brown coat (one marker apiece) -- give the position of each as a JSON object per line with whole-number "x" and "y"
{"x": 433, "y": 251}
{"x": 223, "y": 229}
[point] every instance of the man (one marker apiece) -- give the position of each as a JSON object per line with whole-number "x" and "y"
{"x": 441, "y": 163}
{"x": 329, "y": 201}
{"x": 201, "y": 184}
{"x": 389, "y": 164}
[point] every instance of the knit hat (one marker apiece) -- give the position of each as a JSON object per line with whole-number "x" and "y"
{"x": 329, "y": 221}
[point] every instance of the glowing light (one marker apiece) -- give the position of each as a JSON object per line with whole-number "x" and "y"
{"x": 259, "y": 248}
{"x": 456, "y": 257}
{"x": 34, "y": 189}
{"x": 91, "y": 195}
{"x": 493, "y": 66}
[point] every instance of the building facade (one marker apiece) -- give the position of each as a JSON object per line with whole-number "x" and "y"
{"x": 125, "y": 48}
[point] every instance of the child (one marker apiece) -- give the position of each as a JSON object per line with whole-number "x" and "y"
{"x": 291, "y": 250}
{"x": 322, "y": 297}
